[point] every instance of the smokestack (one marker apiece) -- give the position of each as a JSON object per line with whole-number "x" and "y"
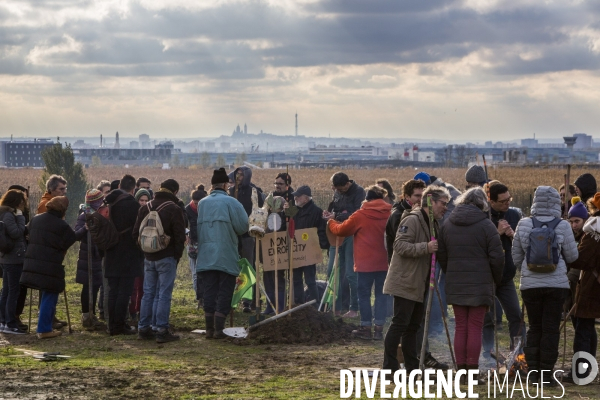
{"x": 101, "y": 141}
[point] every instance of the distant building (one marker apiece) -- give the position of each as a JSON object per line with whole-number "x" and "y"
{"x": 23, "y": 153}
{"x": 529, "y": 143}
{"x": 145, "y": 142}
{"x": 583, "y": 141}
{"x": 333, "y": 150}
{"x": 134, "y": 144}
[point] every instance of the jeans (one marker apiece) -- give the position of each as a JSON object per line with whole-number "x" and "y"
{"x": 544, "y": 310}
{"x": 269, "y": 280}
{"x": 248, "y": 246}
{"x": 408, "y": 316}
{"x": 310, "y": 276}
{"x": 159, "y": 279}
{"x": 586, "y": 337}
{"x": 119, "y": 291}
{"x": 506, "y": 293}
{"x": 11, "y": 274}
{"x": 198, "y": 287}
{"x": 218, "y": 292}
{"x": 47, "y": 311}
{"x": 366, "y": 280}
{"x": 467, "y": 333}
{"x": 85, "y": 298}
{"x": 346, "y": 265}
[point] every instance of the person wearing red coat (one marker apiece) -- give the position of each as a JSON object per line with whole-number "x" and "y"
{"x": 367, "y": 225}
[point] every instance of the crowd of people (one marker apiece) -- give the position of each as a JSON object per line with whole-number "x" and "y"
{"x": 384, "y": 250}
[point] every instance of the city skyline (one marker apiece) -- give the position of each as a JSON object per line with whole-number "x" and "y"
{"x": 469, "y": 70}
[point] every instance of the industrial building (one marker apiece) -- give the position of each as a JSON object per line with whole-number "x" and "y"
{"x": 21, "y": 154}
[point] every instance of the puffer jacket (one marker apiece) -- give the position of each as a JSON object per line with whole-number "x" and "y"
{"x": 221, "y": 219}
{"x": 14, "y": 226}
{"x": 546, "y": 207}
{"x": 587, "y": 296}
{"x": 411, "y": 262}
{"x": 367, "y": 225}
{"x": 470, "y": 253}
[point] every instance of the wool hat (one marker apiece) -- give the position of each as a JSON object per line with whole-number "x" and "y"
{"x": 171, "y": 185}
{"x": 578, "y": 210}
{"x": 94, "y": 198}
{"x": 142, "y": 192}
{"x": 596, "y": 200}
{"x": 304, "y": 189}
{"x": 475, "y": 174}
{"x": 58, "y": 203}
{"x": 219, "y": 176}
{"x": 424, "y": 176}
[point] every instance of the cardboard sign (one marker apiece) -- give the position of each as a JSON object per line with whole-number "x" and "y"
{"x": 305, "y": 249}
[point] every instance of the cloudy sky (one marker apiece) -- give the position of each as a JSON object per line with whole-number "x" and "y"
{"x": 469, "y": 70}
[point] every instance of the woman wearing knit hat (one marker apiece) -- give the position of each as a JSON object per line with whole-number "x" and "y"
{"x": 587, "y": 300}
{"x": 94, "y": 199}
{"x": 142, "y": 196}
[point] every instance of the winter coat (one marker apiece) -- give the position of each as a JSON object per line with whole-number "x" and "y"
{"x": 244, "y": 194}
{"x": 221, "y": 219}
{"x": 587, "y": 296}
{"x": 346, "y": 204}
{"x": 125, "y": 259}
{"x": 367, "y": 225}
{"x": 587, "y": 186}
{"x": 173, "y": 221}
{"x": 15, "y": 229}
{"x": 470, "y": 253}
{"x": 391, "y": 226}
{"x": 311, "y": 216}
{"x": 49, "y": 239}
{"x": 546, "y": 207}
{"x": 513, "y": 217}
{"x": 82, "y": 262}
{"x": 42, "y": 206}
{"x": 408, "y": 275}
{"x": 192, "y": 217}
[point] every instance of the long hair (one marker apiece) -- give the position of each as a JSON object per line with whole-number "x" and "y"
{"x": 13, "y": 199}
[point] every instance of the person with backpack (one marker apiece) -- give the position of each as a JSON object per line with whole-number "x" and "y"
{"x": 12, "y": 256}
{"x": 191, "y": 212}
{"x": 160, "y": 233}
{"x": 542, "y": 246}
{"x": 587, "y": 297}
{"x": 221, "y": 221}
{"x": 49, "y": 239}
{"x": 123, "y": 261}
{"x": 94, "y": 199}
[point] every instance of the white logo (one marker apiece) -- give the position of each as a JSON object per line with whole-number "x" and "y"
{"x": 584, "y": 368}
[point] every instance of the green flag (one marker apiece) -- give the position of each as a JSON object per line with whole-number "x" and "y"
{"x": 329, "y": 292}
{"x": 244, "y": 282}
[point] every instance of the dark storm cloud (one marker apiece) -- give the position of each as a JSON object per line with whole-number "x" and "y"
{"x": 242, "y": 40}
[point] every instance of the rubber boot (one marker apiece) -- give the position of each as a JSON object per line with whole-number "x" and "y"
{"x": 219, "y": 326}
{"x": 547, "y": 361}
{"x": 378, "y": 332}
{"x": 532, "y": 357}
{"x": 209, "y": 320}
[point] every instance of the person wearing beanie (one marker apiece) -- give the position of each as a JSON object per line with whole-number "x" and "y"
{"x": 160, "y": 267}
{"x": 424, "y": 176}
{"x": 142, "y": 196}
{"x": 49, "y": 239}
{"x": 585, "y": 186}
{"x": 191, "y": 212}
{"x": 587, "y": 306}
{"x": 367, "y": 225}
{"x": 221, "y": 220}
{"x": 475, "y": 176}
{"x": 95, "y": 199}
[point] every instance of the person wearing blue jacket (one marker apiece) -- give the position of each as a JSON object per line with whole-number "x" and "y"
{"x": 221, "y": 219}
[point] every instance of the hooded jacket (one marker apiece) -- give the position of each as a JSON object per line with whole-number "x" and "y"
{"x": 42, "y": 206}
{"x": 367, "y": 225}
{"x": 15, "y": 229}
{"x": 513, "y": 217}
{"x": 587, "y": 186}
{"x": 545, "y": 208}
{"x": 391, "y": 226}
{"x": 411, "y": 262}
{"x": 587, "y": 296}
{"x": 346, "y": 204}
{"x": 470, "y": 253}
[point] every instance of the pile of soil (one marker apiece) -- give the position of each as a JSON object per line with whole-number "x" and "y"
{"x": 306, "y": 326}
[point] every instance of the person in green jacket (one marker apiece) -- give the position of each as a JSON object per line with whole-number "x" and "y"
{"x": 221, "y": 219}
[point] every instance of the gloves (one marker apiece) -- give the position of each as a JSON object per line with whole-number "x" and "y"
{"x": 18, "y": 212}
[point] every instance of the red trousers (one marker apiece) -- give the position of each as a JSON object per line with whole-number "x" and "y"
{"x": 136, "y": 296}
{"x": 467, "y": 333}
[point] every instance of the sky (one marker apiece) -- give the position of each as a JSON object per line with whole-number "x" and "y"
{"x": 472, "y": 70}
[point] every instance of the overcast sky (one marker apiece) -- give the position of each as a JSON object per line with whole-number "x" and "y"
{"x": 470, "y": 70}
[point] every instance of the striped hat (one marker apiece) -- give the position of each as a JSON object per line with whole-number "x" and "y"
{"x": 94, "y": 198}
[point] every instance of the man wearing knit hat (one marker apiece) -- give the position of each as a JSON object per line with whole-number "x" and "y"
{"x": 221, "y": 219}
{"x": 160, "y": 267}
{"x": 475, "y": 176}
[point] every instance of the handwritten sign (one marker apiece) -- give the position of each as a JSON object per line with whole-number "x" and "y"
{"x": 305, "y": 249}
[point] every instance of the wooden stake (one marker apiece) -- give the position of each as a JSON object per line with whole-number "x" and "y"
{"x": 431, "y": 285}
{"x": 256, "y": 265}
{"x": 335, "y": 273}
{"x": 276, "y": 276}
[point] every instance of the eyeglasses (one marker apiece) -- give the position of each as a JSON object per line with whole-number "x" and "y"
{"x": 444, "y": 203}
{"x": 505, "y": 201}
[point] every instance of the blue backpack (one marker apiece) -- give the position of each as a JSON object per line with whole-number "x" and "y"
{"x": 542, "y": 253}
